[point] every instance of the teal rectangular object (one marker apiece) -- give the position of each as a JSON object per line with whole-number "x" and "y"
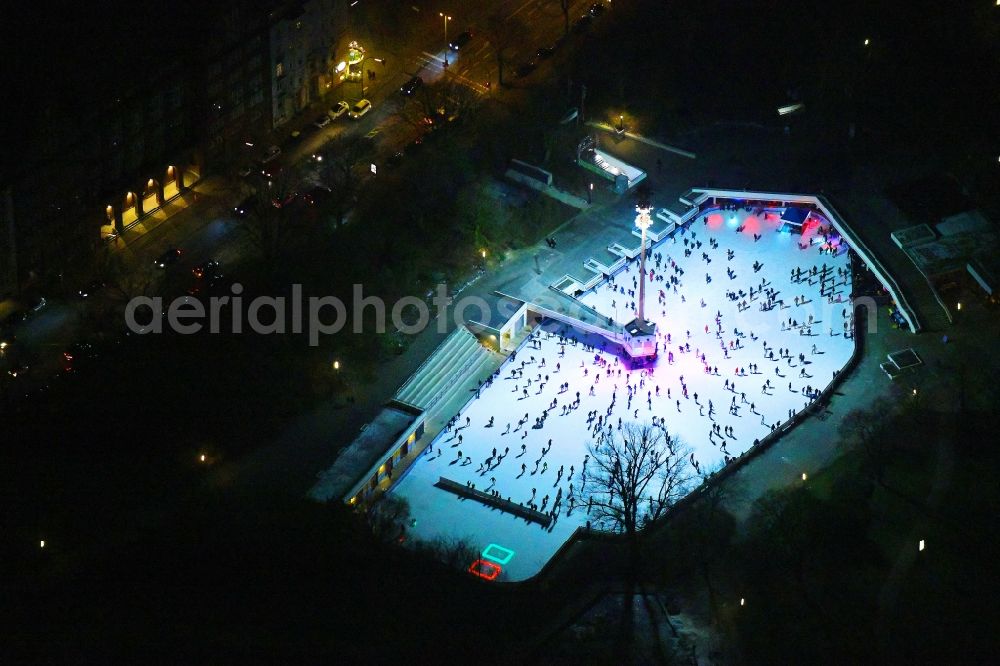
{"x": 498, "y": 554}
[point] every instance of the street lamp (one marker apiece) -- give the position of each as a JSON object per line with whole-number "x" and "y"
{"x": 590, "y": 193}
{"x": 336, "y": 366}
{"x": 446, "y": 46}
{"x": 621, "y": 122}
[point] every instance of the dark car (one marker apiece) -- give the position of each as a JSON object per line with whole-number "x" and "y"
{"x": 459, "y": 41}
{"x": 169, "y": 257}
{"x": 242, "y": 209}
{"x": 91, "y": 289}
{"x": 315, "y": 195}
{"x": 281, "y": 201}
{"x": 78, "y": 356}
{"x": 582, "y": 23}
{"x": 414, "y": 146}
{"x": 525, "y": 68}
{"x": 597, "y": 9}
{"x": 411, "y": 86}
{"x": 544, "y": 53}
{"x": 207, "y": 269}
{"x": 271, "y": 170}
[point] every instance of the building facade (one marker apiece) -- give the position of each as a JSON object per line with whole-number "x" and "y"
{"x": 141, "y": 121}
{"x": 303, "y": 37}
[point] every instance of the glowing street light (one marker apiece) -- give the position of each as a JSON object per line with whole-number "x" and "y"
{"x": 201, "y": 458}
{"x": 920, "y": 546}
{"x": 484, "y": 254}
{"x": 743, "y": 602}
{"x": 336, "y": 366}
{"x": 804, "y": 476}
{"x": 41, "y": 544}
{"x": 446, "y": 45}
{"x": 867, "y": 42}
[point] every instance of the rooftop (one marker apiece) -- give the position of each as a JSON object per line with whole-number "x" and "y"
{"x": 367, "y": 449}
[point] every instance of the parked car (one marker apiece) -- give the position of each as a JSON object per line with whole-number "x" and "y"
{"x": 414, "y": 146}
{"x": 322, "y": 121}
{"x": 91, "y": 288}
{"x": 208, "y": 268}
{"x": 361, "y": 108}
{"x": 284, "y": 200}
{"x": 271, "y": 170}
{"x": 460, "y": 40}
{"x": 597, "y": 9}
{"x": 272, "y": 153}
{"x": 525, "y": 68}
{"x": 545, "y": 52}
{"x": 242, "y": 209}
{"x": 411, "y": 86}
{"x": 394, "y": 160}
{"x": 316, "y": 195}
{"x": 582, "y": 23}
{"x": 339, "y": 109}
{"x": 78, "y": 356}
{"x": 169, "y": 257}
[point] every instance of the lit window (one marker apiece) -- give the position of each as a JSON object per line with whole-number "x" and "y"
{"x": 279, "y": 70}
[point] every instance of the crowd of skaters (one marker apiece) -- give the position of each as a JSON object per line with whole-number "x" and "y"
{"x": 512, "y": 453}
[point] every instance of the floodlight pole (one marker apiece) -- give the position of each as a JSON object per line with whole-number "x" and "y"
{"x": 643, "y": 222}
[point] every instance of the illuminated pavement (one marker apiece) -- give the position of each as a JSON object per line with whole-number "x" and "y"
{"x": 440, "y": 514}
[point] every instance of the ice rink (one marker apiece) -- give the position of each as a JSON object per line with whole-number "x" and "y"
{"x": 730, "y": 366}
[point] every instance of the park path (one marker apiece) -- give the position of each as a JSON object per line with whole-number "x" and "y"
{"x": 906, "y": 557}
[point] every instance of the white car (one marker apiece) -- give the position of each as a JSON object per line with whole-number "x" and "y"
{"x": 339, "y": 109}
{"x": 322, "y": 121}
{"x": 361, "y": 108}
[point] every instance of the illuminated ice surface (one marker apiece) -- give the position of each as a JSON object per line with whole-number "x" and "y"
{"x": 439, "y": 513}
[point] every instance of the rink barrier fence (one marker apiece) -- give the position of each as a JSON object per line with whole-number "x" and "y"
{"x": 584, "y": 533}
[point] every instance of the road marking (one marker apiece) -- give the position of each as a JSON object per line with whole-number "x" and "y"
{"x": 518, "y": 10}
{"x": 435, "y": 63}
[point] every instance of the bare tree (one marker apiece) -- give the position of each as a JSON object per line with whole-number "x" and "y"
{"x": 454, "y": 552}
{"x": 639, "y": 473}
{"x": 868, "y": 431}
{"x": 126, "y": 275}
{"x": 504, "y": 33}
{"x": 388, "y": 517}
{"x": 340, "y": 172}
{"x": 269, "y": 224}
{"x": 437, "y": 102}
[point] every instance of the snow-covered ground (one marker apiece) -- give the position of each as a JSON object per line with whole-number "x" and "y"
{"x": 738, "y": 382}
